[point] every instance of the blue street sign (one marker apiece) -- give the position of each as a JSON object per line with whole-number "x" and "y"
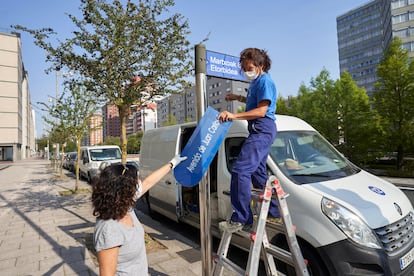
{"x": 224, "y": 66}
{"x": 201, "y": 148}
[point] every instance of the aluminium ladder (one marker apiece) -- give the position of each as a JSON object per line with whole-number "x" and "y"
{"x": 260, "y": 245}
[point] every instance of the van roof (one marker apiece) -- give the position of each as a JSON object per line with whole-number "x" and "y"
{"x": 99, "y": 147}
{"x": 286, "y": 123}
{"x": 283, "y": 122}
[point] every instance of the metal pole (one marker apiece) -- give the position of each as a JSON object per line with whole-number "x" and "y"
{"x": 57, "y": 87}
{"x": 204, "y": 185}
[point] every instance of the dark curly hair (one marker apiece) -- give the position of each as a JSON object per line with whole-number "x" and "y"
{"x": 257, "y": 56}
{"x": 113, "y": 192}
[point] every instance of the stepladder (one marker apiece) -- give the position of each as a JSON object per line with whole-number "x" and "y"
{"x": 260, "y": 247}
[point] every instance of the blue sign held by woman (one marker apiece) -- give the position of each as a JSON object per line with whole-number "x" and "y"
{"x": 201, "y": 148}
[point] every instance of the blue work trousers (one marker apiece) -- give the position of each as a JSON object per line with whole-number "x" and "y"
{"x": 250, "y": 168}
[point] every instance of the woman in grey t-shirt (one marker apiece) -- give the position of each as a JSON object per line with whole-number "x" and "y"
{"x": 119, "y": 236}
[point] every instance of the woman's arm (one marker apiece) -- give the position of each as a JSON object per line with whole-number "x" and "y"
{"x": 108, "y": 260}
{"x": 156, "y": 175}
{"x": 258, "y": 112}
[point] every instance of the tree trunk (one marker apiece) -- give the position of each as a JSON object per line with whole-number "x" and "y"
{"x": 123, "y": 116}
{"x": 400, "y": 157}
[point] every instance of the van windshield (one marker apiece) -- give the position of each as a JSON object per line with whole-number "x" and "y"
{"x": 306, "y": 157}
{"x": 105, "y": 154}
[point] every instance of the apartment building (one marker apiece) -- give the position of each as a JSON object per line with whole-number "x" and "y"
{"x": 365, "y": 32}
{"x": 96, "y": 130}
{"x": 183, "y": 106}
{"x": 111, "y": 121}
{"x": 17, "y": 118}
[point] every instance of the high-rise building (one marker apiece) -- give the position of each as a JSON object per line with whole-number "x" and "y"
{"x": 365, "y": 32}
{"x": 17, "y": 124}
{"x": 96, "y": 130}
{"x": 402, "y": 12}
{"x": 111, "y": 121}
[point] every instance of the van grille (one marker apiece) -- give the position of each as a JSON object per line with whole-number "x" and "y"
{"x": 398, "y": 234}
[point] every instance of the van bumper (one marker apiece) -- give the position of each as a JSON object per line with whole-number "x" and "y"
{"x": 346, "y": 258}
{"x": 93, "y": 173}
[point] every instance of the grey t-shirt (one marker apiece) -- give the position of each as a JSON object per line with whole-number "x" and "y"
{"x": 132, "y": 258}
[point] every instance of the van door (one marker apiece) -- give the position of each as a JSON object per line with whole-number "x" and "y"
{"x": 158, "y": 147}
{"x": 84, "y": 161}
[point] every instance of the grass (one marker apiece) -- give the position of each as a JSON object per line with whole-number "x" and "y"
{"x": 73, "y": 192}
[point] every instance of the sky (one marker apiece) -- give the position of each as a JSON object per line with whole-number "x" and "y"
{"x": 299, "y": 35}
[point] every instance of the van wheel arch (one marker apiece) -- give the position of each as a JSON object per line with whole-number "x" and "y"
{"x": 315, "y": 264}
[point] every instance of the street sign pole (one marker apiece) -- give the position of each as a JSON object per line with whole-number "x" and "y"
{"x": 204, "y": 186}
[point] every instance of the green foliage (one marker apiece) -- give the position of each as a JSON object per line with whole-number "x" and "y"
{"x": 134, "y": 142}
{"x": 111, "y": 140}
{"x": 171, "y": 120}
{"x": 394, "y": 100}
{"x": 42, "y": 142}
{"x": 340, "y": 111}
{"x": 358, "y": 124}
{"x": 317, "y": 105}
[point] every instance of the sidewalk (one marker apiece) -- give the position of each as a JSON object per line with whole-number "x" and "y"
{"x": 44, "y": 233}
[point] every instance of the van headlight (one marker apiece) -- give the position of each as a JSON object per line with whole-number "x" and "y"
{"x": 351, "y": 224}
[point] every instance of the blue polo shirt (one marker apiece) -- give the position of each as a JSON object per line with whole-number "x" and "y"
{"x": 262, "y": 88}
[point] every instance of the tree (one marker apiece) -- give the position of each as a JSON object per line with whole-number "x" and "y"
{"x": 111, "y": 140}
{"x": 340, "y": 111}
{"x": 359, "y": 130}
{"x": 126, "y": 52}
{"x": 134, "y": 142}
{"x": 171, "y": 120}
{"x": 394, "y": 99}
{"x": 76, "y": 111}
{"x": 317, "y": 105}
{"x": 59, "y": 133}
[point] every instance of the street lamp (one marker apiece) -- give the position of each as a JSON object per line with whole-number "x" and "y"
{"x": 63, "y": 74}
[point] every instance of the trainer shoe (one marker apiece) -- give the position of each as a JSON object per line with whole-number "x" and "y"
{"x": 231, "y": 226}
{"x": 274, "y": 220}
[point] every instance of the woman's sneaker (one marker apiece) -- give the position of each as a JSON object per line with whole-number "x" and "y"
{"x": 231, "y": 226}
{"x": 274, "y": 220}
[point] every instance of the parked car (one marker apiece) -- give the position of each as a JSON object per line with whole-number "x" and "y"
{"x": 108, "y": 163}
{"x": 65, "y": 161}
{"x": 73, "y": 157}
{"x": 93, "y": 156}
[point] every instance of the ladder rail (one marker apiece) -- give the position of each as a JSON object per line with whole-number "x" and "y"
{"x": 260, "y": 235}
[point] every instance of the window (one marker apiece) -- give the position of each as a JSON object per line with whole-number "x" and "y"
{"x": 232, "y": 148}
{"x": 306, "y": 157}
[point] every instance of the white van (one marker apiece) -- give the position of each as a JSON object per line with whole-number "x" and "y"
{"x": 349, "y": 222}
{"x": 92, "y": 156}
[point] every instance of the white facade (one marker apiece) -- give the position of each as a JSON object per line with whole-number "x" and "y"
{"x": 17, "y": 137}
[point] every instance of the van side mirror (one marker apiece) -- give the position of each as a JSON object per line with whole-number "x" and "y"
{"x": 85, "y": 160}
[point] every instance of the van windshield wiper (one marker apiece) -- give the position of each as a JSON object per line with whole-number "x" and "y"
{"x": 311, "y": 174}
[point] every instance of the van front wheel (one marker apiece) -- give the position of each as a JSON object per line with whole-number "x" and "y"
{"x": 315, "y": 265}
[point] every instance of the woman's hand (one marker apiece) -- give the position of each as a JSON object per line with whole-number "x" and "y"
{"x": 225, "y": 116}
{"x": 233, "y": 97}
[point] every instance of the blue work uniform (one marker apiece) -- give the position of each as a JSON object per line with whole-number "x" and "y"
{"x": 250, "y": 166}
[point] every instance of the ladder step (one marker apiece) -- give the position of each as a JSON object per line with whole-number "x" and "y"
{"x": 229, "y": 264}
{"x": 280, "y": 254}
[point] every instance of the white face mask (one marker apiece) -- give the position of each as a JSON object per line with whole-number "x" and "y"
{"x": 250, "y": 75}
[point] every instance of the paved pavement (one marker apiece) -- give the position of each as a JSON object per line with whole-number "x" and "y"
{"x": 44, "y": 233}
